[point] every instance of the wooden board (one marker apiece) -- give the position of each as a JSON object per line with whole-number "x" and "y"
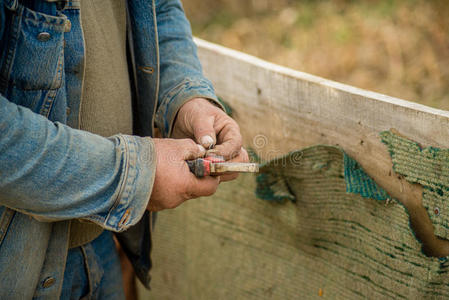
{"x": 280, "y": 109}
{"x": 233, "y": 245}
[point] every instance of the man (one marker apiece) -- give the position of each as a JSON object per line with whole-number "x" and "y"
{"x": 62, "y": 189}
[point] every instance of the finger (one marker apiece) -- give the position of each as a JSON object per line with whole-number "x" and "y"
{"x": 241, "y": 157}
{"x": 230, "y": 140}
{"x": 204, "y": 132}
{"x": 201, "y": 187}
{"x": 190, "y": 149}
{"x": 228, "y": 176}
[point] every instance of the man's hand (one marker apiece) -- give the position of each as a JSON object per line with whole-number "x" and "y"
{"x": 174, "y": 183}
{"x": 208, "y": 125}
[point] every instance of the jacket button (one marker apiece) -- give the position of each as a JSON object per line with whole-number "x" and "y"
{"x": 43, "y": 36}
{"x": 48, "y": 282}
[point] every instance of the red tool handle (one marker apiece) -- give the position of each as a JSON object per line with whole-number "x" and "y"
{"x": 201, "y": 166}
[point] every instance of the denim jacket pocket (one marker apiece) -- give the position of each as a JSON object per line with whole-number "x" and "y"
{"x": 34, "y": 51}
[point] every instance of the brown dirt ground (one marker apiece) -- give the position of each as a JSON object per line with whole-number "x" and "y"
{"x": 399, "y": 48}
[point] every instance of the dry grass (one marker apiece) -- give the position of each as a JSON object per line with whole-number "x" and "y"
{"x": 399, "y": 48}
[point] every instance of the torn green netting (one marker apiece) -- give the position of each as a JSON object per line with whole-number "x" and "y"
{"x": 328, "y": 243}
{"x": 274, "y": 188}
{"x": 358, "y": 182}
{"x": 272, "y": 184}
{"x": 329, "y": 240}
{"x": 427, "y": 166}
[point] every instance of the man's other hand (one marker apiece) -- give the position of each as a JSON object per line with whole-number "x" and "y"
{"x": 208, "y": 125}
{"x": 174, "y": 183}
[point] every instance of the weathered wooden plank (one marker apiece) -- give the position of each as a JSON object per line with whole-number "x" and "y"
{"x": 280, "y": 109}
{"x": 329, "y": 243}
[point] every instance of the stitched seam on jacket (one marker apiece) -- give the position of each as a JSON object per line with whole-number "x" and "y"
{"x": 125, "y": 178}
{"x": 12, "y": 45}
{"x": 156, "y": 97}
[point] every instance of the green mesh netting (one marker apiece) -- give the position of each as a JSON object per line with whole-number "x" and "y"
{"x": 272, "y": 186}
{"x": 428, "y": 167}
{"x": 328, "y": 244}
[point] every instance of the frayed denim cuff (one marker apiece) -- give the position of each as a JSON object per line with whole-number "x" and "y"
{"x": 136, "y": 183}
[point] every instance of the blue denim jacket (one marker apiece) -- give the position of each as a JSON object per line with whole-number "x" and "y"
{"x": 52, "y": 172}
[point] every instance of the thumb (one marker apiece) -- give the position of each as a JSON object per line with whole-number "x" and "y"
{"x": 204, "y": 132}
{"x": 191, "y": 150}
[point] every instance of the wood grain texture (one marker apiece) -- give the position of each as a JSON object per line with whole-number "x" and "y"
{"x": 279, "y": 110}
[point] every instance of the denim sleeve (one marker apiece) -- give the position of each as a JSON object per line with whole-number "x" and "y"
{"x": 53, "y": 172}
{"x": 181, "y": 77}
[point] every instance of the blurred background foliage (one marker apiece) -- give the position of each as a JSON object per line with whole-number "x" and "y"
{"x": 399, "y": 48}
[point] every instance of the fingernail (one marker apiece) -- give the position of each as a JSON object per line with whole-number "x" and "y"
{"x": 207, "y": 141}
